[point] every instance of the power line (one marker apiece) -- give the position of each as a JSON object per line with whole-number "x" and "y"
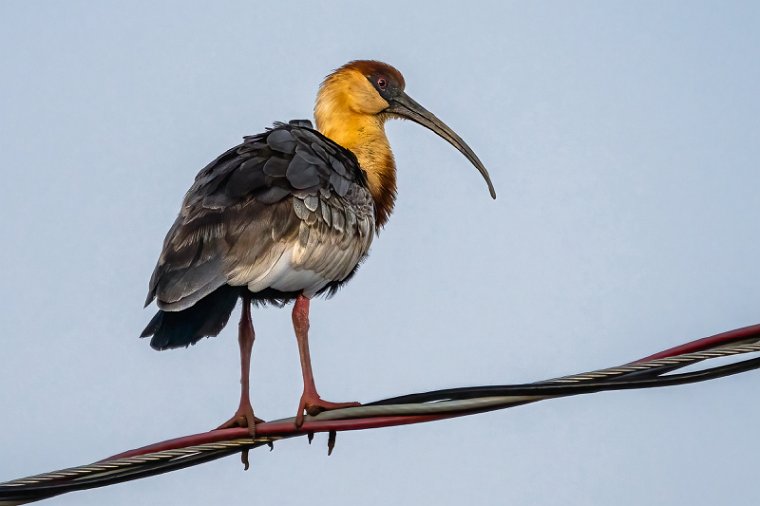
{"x": 653, "y": 371}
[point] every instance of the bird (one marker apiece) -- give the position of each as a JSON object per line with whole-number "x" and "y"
{"x": 284, "y": 216}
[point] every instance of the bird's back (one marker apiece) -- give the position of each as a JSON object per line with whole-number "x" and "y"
{"x": 285, "y": 212}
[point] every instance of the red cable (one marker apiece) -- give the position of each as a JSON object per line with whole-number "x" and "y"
{"x": 280, "y": 429}
{"x": 288, "y": 428}
{"x": 707, "y": 343}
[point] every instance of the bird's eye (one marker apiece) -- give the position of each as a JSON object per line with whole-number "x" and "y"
{"x": 382, "y": 83}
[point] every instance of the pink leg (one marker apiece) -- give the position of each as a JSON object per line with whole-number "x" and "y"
{"x": 310, "y": 400}
{"x": 244, "y": 417}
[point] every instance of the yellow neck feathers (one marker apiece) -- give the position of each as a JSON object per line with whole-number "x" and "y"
{"x": 349, "y": 111}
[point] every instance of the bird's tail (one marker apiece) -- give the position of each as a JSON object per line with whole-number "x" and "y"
{"x": 207, "y": 317}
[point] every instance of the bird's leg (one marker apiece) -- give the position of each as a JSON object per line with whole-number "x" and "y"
{"x": 310, "y": 400}
{"x": 244, "y": 417}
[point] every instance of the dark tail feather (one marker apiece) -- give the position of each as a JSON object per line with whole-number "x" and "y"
{"x": 207, "y": 317}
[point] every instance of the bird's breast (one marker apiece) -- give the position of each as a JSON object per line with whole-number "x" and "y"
{"x": 330, "y": 235}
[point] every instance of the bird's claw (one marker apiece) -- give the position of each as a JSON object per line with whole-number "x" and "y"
{"x": 331, "y": 442}
{"x": 314, "y": 405}
{"x": 244, "y": 459}
{"x": 243, "y": 417}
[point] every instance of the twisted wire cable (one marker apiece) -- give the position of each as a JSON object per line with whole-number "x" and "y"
{"x": 653, "y": 371}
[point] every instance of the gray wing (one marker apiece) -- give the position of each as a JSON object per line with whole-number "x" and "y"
{"x": 285, "y": 208}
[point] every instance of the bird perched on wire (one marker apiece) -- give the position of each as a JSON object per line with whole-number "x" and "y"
{"x": 286, "y": 215}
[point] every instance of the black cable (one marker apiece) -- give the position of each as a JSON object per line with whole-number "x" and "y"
{"x": 552, "y": 388}
{"x": 568, "y": 389}
{"x": 40, "y": 491}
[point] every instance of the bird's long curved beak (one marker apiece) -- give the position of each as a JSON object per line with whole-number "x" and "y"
{"x": 405, "y": 106}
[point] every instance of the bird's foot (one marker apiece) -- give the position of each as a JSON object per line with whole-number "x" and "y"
{"x": 243, "y": 417}
{"x": 312, "y": 404}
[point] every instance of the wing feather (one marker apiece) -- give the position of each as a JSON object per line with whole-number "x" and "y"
{"x": 283, "y": 202}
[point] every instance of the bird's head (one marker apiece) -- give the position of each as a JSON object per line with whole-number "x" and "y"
{"x": 355, "y": 101}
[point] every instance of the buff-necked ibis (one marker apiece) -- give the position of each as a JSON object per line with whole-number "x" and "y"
{"x": 286, "y": 215}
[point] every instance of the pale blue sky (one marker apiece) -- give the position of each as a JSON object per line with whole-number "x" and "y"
{"x": 623, "y": 139}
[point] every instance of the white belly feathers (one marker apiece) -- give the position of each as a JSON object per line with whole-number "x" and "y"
{"x": 286, "y": 276}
